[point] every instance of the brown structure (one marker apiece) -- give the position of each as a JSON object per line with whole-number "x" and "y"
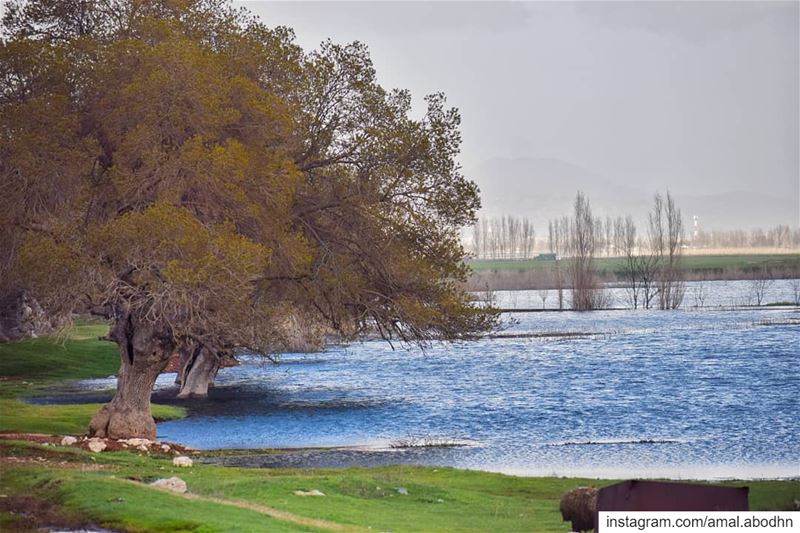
{"x": 579, "y": 506}
{"x": 661, "y": 496}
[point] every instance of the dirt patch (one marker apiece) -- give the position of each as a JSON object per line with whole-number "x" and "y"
{"x": 29, "y": 513}
{"x": 40, "y": 438}
{"x": 41, "y": 461}
{"x": 157, "y": 448}
{"x": 272, "y": 512}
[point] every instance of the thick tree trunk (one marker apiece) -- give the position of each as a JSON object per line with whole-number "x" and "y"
{"x": 144, "y": 351}
{"x": 200, "y": 374}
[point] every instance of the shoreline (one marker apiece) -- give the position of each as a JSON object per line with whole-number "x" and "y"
{"x": 338, "y": 457}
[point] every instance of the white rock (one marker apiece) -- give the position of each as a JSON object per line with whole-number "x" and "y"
{"x": 314, "y": 492}
{"x": 136, "y": 442}
{"x": 402, "y": 490}
{"x": 68, "y": 440}
{"x": 97, "y": 445}
{"x": 165, "y": 447}
{"x": 182, "y": 460}
{"x": 174, "y": 484}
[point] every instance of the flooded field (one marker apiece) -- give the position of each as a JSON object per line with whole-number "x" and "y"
{"x": 699, "y": 294}
{"x": 685, "y": 394}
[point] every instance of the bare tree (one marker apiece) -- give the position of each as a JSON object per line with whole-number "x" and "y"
{"x": 625, "y": 236}
{"x": 759, "y": 285}
{"x": 543, "y": 294}
{"x": 583, "y": 247}
{"x": 673, "y": 287}
{"x": 496, "y": 238}
{"x": 666, "y": 239}
{"x": 795, "y": 286}
{"x": 484, "y": 238}
{"x": 700, "y": 292}
{"x": 477, "y": 239}
{"x": 527, "y": 238}
{"x": 619, "y": 236}
{"x": 557, "y": 239}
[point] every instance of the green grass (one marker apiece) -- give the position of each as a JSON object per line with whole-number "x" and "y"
{"x": 439, "y": 499}
{"x": 30, "y": 366}
{"x": 78, "y": 355}
{"x": 693, "y": 263}
{"x": 19, "y": 416}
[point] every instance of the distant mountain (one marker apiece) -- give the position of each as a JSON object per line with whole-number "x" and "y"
{"x": 542, "y": 188}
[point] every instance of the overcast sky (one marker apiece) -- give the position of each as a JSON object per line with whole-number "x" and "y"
{"x": 698, "y": 97}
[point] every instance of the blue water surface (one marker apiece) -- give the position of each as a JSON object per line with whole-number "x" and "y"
{"x": 681, "y": 394}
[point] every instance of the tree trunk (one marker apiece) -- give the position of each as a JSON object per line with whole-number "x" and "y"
{"x": 200, "y": 374}
{"x": 145, "y": 350}
{"x": 187, "y": 352}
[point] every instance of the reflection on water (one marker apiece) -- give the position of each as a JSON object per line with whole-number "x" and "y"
{"x": 733, "y": 293}
{"x": 675, "y": 394}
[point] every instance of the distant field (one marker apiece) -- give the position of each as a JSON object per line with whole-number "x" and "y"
{"x": 695, "y": 263}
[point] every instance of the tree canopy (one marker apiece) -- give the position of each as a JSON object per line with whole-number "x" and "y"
{"x": 195, "y": 177}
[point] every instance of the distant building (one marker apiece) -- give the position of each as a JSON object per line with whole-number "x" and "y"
{"x": 547, "y": 257}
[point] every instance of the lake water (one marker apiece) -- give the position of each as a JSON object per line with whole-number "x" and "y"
{"x": 727, "y": 294}
{"x": 680, "y": 394}
{"x": 711, "y": 394}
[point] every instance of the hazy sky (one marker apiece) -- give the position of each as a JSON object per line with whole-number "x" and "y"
{"x": 699, "y": 97}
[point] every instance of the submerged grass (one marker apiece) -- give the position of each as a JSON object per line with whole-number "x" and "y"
{"x": 110, "y": 489}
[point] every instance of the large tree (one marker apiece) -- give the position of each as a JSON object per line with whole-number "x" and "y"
{"x": 207, "y": 186}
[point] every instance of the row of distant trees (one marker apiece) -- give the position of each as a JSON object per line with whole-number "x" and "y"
{"x": 780, "y": 236}
{"x": 510, "y": 237}
{"x": 505, "y": 237}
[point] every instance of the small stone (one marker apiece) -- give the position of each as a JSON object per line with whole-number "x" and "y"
{"x": 439, "y": 500}
{"x": 402, "y": 490}
{"x": 165, "y": 448}
{"x": 136, "y": 442}
{"x": 182, "y": 460}
{"x": 142, "y": 448}
{"x": 314, "y": 492}
{"x": 68, "y": 440}
{"x": 97, "y": 445}
{"x": 174, "y": 484}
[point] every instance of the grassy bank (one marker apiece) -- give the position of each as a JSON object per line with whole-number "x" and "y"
{"x": 110, "y": 490}
{"x": 54, "y": 485}
{"x": 30, "y": 367}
